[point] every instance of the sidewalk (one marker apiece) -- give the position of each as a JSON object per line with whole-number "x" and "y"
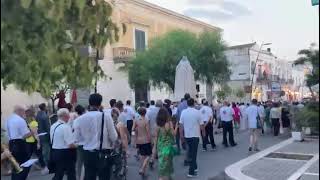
{"x": 286, "y": 160}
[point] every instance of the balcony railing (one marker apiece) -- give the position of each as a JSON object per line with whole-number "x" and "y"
{"x": 123, "y": 54}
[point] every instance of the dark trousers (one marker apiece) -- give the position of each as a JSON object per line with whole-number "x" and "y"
{"x": 65, "y": 160}
{"x": 228, "y": 128}
{"x": 129, "y": 127}
{"x": 79, "y": 163}
{"x": 276, "y": 126}
{"x": 32, "y": 148}
{"x": 18, "y": 149}
{"x": 193, "y": 144}
{"x": 208, "y": 135}
{"x": 187, "y": 155}
{"x": 95, "y": 165}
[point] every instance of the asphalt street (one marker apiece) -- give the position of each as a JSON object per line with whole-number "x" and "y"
{"x": 210, "y": 163}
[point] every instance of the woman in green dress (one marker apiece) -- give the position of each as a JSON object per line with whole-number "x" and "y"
{"x": 165, "y": 144}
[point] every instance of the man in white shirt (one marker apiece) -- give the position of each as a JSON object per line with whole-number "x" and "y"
{"x": 64, "y": 152}
{"x": 17, "y": 131}
{"x": 207, "y": 118}
{"x": 252, "y": 112}
{"x": 97, "y": 144}
{"x": 191, "y": 127}
{"x": 226, "y": 115}
{"x": 130, "y": 116}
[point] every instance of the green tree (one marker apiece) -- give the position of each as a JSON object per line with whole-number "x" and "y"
{"x": 310, "y": 57}
{"x": 157, "y": 65}
{"x": 210, "y": 62}
{"x": 223, "y": 92}
{"x": 240, "y": 93}
{"x": 40, "y": 41}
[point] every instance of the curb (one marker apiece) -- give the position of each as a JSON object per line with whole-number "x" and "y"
{"x": 234, "y": 170}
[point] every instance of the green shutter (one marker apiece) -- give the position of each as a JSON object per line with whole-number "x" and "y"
{"x": 140, "y": 40}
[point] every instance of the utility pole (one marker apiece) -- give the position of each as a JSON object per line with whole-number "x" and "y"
{"x": 255, "y": 66}
{"x": 96, "y": 70}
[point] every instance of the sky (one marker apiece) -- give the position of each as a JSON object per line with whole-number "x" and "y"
{"x": 290, "y": 25}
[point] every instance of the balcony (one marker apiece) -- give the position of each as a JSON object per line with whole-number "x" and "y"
{"x": 290, "y": 81}
{"x": 263, "y": 79}
{"x": 123, "y": 54}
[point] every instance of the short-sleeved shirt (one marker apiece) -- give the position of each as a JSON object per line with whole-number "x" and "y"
{"x": 16, "y": 127}
{"x": 275, "y": 113}
{"x": 191, "y": 121}
{"x": 226, "y": 113}
{"x": 152, "y": 117}
{"x": 32, "y": 124}
{"x": 63, "y": 136}
{"x": 130, "y": 112}
{"x": 90, "y": 130}
{"x": 252, "y": 114}
{"x": 206, "y": 113}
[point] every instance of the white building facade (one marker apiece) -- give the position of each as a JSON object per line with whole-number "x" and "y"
{"x": 271, "y": 78}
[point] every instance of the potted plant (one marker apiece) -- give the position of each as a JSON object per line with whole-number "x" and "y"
{"x": 306, "y": 119}
{"x": 297, "y": 121}
{"x": 311, "y": 115}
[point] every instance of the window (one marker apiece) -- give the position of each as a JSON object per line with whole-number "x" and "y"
{"x": 140, "y": 40}
{"x": 198, "y": 88}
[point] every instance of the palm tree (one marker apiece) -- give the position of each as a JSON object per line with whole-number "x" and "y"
{"x": 310, "y": 57}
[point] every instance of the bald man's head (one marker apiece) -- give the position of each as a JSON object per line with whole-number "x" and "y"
{"x": 20, "y": 110}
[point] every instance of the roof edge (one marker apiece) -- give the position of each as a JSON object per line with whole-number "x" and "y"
{"x": 172, "y": 13}
{"x": 242, "y": 45}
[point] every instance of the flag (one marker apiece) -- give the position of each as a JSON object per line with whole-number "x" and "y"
{"x": 74, "y": 98}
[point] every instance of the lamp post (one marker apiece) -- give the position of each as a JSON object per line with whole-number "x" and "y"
{"x": 255, "y": 66}
{"x": 96, "y": 70}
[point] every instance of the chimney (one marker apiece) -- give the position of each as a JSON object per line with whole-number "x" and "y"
{"x": 269, "y": 50}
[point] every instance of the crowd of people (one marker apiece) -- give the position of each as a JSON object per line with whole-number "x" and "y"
{"x": 86, "y": 143}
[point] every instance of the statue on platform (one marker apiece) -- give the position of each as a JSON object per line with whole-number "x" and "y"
{"x": 184, "y": 80}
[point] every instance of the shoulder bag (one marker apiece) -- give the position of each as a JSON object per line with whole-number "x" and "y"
{"x": 51, "y": 162}
{"x": 105, "y": 156}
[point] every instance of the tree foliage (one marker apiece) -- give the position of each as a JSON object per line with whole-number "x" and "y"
{"x": 308, "y": 117}
{"x": 310, "y": 57}
{"x": 240, "y": 93}
{"x": 223, "y": 92}
{"x": 40, "y": 42}
{"x": 157, "y": 65}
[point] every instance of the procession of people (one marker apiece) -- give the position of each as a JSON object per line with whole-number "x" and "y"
{"x": 84, "y": 144}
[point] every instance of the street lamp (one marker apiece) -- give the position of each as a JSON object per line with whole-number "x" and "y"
{"x": 255, "y": 66}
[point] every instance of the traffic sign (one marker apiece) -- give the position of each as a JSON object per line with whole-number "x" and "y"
{"x": 275, "y": 87}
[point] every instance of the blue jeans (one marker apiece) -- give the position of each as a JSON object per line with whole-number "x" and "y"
{"x": 193, "y": 144}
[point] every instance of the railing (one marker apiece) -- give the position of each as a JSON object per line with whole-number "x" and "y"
{"x": 123, "y": 54}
